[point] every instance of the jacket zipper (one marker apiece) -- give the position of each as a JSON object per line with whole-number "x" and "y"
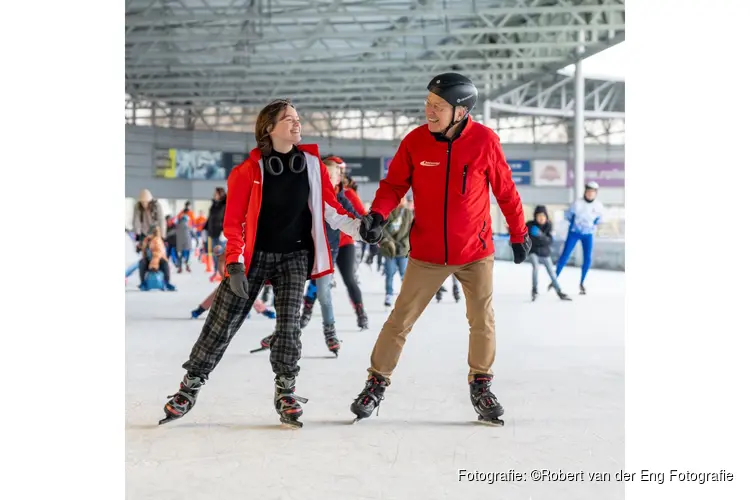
{"x": 445, "y": 206}
{"x": 484, "y": 245}
{"x": 463, "y": 186}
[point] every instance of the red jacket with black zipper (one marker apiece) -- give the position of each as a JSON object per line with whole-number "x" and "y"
{"x": 450, "y": 182}
{"x": 244, "y": 198}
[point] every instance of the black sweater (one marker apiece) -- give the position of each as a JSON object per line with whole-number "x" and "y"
{"x": 285, "y": 221}
{"x": 541, "y": 239}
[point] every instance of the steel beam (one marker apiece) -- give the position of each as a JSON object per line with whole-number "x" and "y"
{"x": 464, "y": 10}
{"x": 309, "y": 36}
{"x": 531, "y": 111}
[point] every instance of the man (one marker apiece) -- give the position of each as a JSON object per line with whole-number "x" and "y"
{"x": 584, "y": 216}
{"x": 448, "y": 163}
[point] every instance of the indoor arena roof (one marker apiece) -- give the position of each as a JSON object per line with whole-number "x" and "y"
{"x": 329, "y": 55}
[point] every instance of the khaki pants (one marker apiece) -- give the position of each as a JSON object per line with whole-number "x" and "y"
{"x": 421, "y": 282}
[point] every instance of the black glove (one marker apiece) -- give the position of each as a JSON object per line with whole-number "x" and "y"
{"x": 521, "y": 250}
{"x": 238, "y": 281}
{"x": 371, "y": 229}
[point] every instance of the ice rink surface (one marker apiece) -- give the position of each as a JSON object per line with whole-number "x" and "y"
{"x": 558, "y": 373}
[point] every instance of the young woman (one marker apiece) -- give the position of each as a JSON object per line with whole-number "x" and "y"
{"x": 321, "y": 288}
{"x": 346, "y": 260}
{"x": 277, "y": 202}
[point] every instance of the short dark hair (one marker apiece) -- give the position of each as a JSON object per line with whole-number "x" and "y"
{"x": 265, "y": 122}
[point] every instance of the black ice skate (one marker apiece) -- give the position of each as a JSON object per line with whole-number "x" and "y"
{"x": 370, "y": 397}
{"x": 184, "y": 400}
{"x": 485, "y": 403}
{"x": 582, "y": 290}
{"x": 307, "y": 309}
{"x": 265, "y": 344}
{"x": 332, "y": 342}
{"x": 456, "y": 293}
{"x": 534, "y": 293}
{"x": 439, "y": 294}
{"x": 287, "y": 403}
{"x": 563, "y": 296}
{"x": 359, "y": 310}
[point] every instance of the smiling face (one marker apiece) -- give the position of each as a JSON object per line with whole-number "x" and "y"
{"x": 439, "y": 113}
{"x": 287, "y": 130}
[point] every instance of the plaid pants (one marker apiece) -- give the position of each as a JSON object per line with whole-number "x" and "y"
{"x": 288, "y": 274}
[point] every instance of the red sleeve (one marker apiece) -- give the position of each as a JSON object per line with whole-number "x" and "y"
{"x": 501, "y": 182}
{"x": 353, "y": 197}
{"x": 396, "y": 184}
{"x": 235, "y": 214}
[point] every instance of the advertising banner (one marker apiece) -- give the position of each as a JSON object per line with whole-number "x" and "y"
{"x": 363, "y": 169}
{"x": 550, "y": 173}
{"x": 521, "y": 172}
{"x": 196, "y": 165}
{"x": 606, "y": 174}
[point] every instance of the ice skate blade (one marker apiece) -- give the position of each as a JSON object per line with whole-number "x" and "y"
{"x": 494, "y": 422}
{"x": 290, "y": 423}
{"x": 168, "y": 419}
{"x": 259, "y": 349}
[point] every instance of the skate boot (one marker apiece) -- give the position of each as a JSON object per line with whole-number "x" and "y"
{"x": 534, "y": 293}
{"x": 370, "y": 397}
{"x": 307, "y": 309}
{"x": 388, "y": 301}
{"x": 439, "y": 294}
{"x": 184, "y": 400}
{"x": 582, "y": 290}
{"x": 456, "y": 293}
{"x": 187, "y": 268}
{"x": 264, "y": 296}
{"x": 196, "y": 313}
{"x": 563, "y": 296}
{"x": 287, "y": 403}
{"x": 265, "y": 344}
{"x": 359, "y": 310}
{"x": 332, "y": 342}
{"x": 485, "y": 403}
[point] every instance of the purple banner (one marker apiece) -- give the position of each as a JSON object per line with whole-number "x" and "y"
{"x": 606, "y": 174}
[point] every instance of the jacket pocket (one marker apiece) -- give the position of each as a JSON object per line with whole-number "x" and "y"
{"x": 484, "y": 244}
{"x": 463, "y": 182}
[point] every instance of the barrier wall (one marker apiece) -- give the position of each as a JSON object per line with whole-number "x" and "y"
{"x": 608, "y": 253}
{"x": 141, "y": 144}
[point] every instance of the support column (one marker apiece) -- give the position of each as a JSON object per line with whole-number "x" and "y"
{"x": 578, "y": 127}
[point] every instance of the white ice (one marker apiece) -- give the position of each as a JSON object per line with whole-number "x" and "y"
{"x": 558, "y": 373}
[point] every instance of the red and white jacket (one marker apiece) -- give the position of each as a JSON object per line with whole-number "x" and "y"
{"x": 244, "y": 198}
